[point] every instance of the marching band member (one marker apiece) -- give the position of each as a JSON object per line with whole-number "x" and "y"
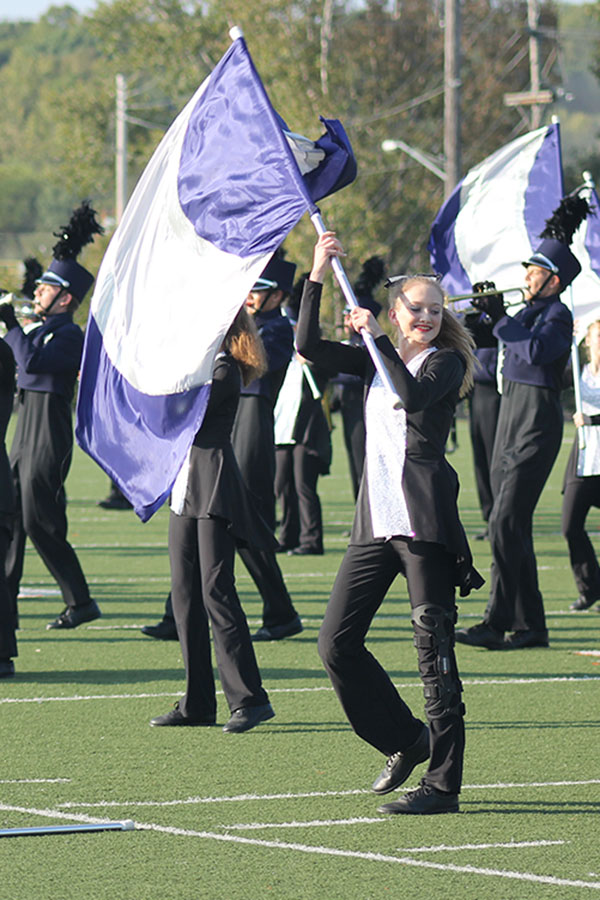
{"x": 581, "y": 489}
{"x": 406, "y": 522}
{"x": 48, "y": 359}
{"x": 529, "y": 433}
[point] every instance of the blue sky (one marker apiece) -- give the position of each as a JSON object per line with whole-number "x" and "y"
{"x": 33, "y": 9}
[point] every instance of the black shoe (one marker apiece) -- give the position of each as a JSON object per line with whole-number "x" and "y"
{"x": 248, "y": 717}
{"x": 400, "y": 765}
{"x": 7, "y": 668}
{"x": 284, "y": 548}
{"x": 277, "y": 632}
{"x": 424, "y": 801}
{"x": 165, "y": 630}
{"x": 176, "y": 717}
{"x": 482, "y": 536}
{"x": 521, "y": 639}
{"x": 482, "y": 635}
{"x": 582, "y": 603}
{"x": 115, "y": 503}
{"x": 305, "y": 551}
{"x": 76, "y": 615}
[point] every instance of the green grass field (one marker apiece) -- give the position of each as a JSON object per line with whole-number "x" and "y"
{"x": 285, "y": 810}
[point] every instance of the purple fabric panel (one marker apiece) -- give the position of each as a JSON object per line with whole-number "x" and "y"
{"x": 144, "y": 439}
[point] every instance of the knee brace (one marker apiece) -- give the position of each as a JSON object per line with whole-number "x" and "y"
{"x": 434, "y": 639}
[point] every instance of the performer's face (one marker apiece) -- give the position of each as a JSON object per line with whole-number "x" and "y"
{"x": 418, "y": 313}
{"x": 44, "y": 296}
{"x": 592, "y": 342}
{"x": 255, "y": 301}
{"x": 535, "y": 280}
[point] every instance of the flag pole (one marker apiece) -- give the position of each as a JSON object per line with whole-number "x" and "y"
{"x": 588, "y": 183}
{"x": 342, "y": 279}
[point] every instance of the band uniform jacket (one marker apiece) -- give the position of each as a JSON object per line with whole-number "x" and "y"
{"x": 48, "y": 359}
{"x": 430, "y": 484}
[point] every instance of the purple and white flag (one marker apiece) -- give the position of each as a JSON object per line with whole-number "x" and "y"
{"x": 585, "y": 289}
{"x": 224, "y": 187}
{"x": 493, "y": 219}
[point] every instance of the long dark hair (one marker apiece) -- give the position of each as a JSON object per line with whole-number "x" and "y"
{"x": 245, "y": 345}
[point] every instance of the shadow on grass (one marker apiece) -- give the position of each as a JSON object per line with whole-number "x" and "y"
{"x": 514, "y": 807}
{"x": 100, "y": 676}
{"x": 526, "y": 725}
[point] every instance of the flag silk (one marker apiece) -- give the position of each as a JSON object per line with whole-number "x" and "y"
{"x": 585, "y": 289}
{"x": 218, "y": 197}
{"x": 493, "y": 219}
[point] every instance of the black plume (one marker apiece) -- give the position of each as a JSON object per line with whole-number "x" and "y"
{"x": 370, "y": 276}
{"x": 79, "y": 232}
{"x": 566, "y": 219}
{"x": 33, "y": 270}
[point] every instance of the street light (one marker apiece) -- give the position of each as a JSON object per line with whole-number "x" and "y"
{"x": 389, "y": 146}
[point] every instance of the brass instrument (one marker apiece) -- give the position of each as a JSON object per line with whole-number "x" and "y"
{"x": 463, "y": 304}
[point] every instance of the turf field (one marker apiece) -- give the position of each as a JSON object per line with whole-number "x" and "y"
{"x": 285, "y": 810}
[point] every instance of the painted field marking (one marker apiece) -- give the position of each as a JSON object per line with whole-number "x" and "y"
{"x": 319, "y": 850}
{"x": 304, "y": 795}
{"x": 314, "y": 823}
{"x": 509, "y": 845}
{"x": 474, "y": 682}
{"x": 373, "y": 857}
{"x": 35, "y": 781}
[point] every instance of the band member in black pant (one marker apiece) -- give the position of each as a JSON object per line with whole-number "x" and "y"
{"x": 581, "y": 488}
{"x": 8, "y": 613}
{"x": 528, "y": 436}
{"x": 484, "y": 406}
{"x": 406, "y": 522}
{"x": 48, "y": 359}
{"x": 211, "y": 513}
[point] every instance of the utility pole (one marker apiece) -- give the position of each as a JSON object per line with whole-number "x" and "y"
{"x": 533, "y": 16}
{"x": 121, "y": 147}
{"x": 452, "y": 86}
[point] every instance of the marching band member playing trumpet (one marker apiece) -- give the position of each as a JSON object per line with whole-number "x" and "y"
{"x": 48, "y": 360}
{"x": 406, "y": 522}
{"x": 528, "y": 437}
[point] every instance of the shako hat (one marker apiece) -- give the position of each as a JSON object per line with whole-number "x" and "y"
{"x": 278, "y": 274}
{"x": 31, "y": 276}
{"x": 64, "y": 271}
{"x": 554, "y": 253}
{"x": 370, "y": 276}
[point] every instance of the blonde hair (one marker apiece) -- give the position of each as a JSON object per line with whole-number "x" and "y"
{"x": 453, "y": 334}
{"x": 245, "y": 345}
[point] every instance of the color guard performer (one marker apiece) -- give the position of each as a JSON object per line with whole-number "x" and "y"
{"x": 406, "y": 522}
{"x": 211, "y": 514}
{"x": 581, "y": 488}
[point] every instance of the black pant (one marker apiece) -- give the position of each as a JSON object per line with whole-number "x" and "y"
{"x": 42, "y": 517}
{"x": 8, "y": 641}
{"x": 579, "y": 497}
{"x": 484, "y": 404}
{"x": 201, "y": 552}
{"x": 370, "y": 700}
{"x": 297, "y": 474}
{"x": 528, "y": 438}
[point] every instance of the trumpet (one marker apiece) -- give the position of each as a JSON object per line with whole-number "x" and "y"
{"x": 462, "y": 302}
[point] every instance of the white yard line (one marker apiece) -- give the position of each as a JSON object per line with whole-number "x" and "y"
{"x": 336, "y": 852}
{"x": 475, "y": 682}
{"x": 244, "y": 798}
